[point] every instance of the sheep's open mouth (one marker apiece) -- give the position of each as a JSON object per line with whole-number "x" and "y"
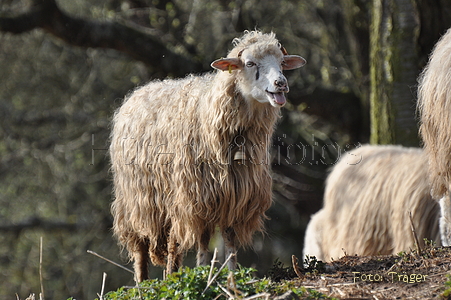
{"x": 278, "y": 98}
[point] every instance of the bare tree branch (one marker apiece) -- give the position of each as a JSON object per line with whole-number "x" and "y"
{"x": 140, "y": 45}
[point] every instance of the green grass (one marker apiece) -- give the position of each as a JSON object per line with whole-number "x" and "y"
{"x": 447, "y": 292}
{"x": 192, "y": 284}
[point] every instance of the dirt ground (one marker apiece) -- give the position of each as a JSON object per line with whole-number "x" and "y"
{"x": 408, "y": 276}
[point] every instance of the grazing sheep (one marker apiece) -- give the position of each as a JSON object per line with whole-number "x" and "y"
{"x": 366, "y": 203}
{"x": 434, "y": 106}
{"x": 190, "y": 155}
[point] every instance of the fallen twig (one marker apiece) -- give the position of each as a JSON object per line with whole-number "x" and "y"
{"x": 110, "y": 261}
{"x": 256, "y": 296}
{"x": 217, "y": 273}
{"x": 415, "y": 237}
{"x": 212, "y": 265}
{"x": 231, "y": 284}
{"x": 294, "y": 261}
{"x": 103, "y": 286}
{"x": 41, "y": 295}
{"x": 225, "y": 291}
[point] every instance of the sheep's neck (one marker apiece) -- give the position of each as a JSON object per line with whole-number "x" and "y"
{"x": 232, "y": 112}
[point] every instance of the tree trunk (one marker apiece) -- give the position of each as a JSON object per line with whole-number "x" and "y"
{"x": 393, "y": 70}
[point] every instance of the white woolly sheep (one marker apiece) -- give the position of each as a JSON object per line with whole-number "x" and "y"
{"x": 434, "y": 106}
{"x": 190, "y": 155}
{"x": 367, "y": 199}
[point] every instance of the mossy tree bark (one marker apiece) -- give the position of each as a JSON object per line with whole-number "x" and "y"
{"x": 393, "y": 70}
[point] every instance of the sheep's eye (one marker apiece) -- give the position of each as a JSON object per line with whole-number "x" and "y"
{"x": 284, "y": 63}
{"x": 250, "y": 64}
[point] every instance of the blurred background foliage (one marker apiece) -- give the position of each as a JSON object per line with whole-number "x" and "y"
{"x": 58, "y": 94}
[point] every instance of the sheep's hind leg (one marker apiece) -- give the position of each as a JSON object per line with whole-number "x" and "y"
{"x": 445, "y": 220}
{"x": 202, "y": 251}
{"x": 174, "y": 256}
{"x": 141, "y": 258}
{"x": 229, "y": 237}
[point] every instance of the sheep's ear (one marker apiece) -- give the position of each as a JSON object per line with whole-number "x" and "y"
{"x": 293, "y": 62}
{"x": 227, "y": 64}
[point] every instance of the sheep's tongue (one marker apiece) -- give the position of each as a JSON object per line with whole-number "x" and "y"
{"x": 279, "y": 98}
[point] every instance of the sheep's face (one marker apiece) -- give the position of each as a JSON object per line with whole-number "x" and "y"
{"x": 261, "y": 78}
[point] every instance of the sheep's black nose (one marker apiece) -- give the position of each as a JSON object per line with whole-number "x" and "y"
{"x": 280, "y": 82}
{"x": 281, "y": 85}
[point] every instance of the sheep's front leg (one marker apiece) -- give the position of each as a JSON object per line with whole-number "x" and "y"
{"x": 174, "y": 256}
{"x": 202, "y": 251}
{"x": 445, "y": 220}
{"x": 229, "y": 237}
{"x": 141, "y": 258}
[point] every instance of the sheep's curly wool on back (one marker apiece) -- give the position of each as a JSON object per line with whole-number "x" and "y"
{"x": 171, "y": 149}
{"x": 434, "y": 105}
{"x": 366, "y": 203}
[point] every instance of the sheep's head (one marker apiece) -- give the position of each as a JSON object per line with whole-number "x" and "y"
{"x": 259, "y": 61}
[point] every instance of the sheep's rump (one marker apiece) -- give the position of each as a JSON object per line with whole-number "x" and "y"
{"x": 171, "y": 150}
{"x": 367, "y": 201}
{"x": 434, "y": 105}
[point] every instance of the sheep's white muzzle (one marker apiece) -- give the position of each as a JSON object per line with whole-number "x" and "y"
{"x": 277, "y": 99}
